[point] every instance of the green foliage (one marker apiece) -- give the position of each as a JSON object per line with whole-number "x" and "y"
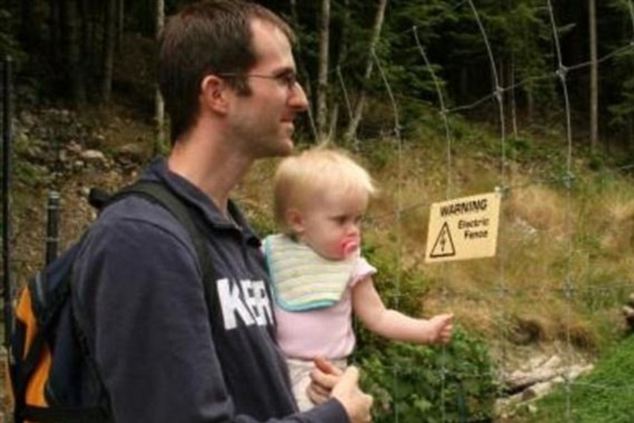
{"x": 603, "y": 396}
{"x": 24, "y": 171}
{"x": 518, "y": 148}
{"x": 422, "y": 384}
{"x": 622, "y": 108}
{"x": 623, "y": 111}
{"x": 399, "y": 288}
{"x": 8, "y": 44}
{"x": 378, "y": 153}
{"x": 529, "y": 37}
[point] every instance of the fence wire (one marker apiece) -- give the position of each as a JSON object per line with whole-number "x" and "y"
{"x": 575, "y": 285}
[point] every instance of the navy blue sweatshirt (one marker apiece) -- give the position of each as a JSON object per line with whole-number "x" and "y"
{"x": 138, "y": 294}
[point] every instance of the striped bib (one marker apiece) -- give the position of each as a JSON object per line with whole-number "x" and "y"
{"x": 302, "y": 279}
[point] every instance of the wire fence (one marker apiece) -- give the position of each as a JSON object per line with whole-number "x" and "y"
{"x": 575, "y": 285}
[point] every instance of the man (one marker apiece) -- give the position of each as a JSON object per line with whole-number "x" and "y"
{"x": 228, "y": 78}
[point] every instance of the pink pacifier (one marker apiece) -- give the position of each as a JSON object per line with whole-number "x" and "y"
{"x": 349, "y": 245}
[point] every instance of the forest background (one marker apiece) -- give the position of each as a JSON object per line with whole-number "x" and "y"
{"x": 440, "y": 99}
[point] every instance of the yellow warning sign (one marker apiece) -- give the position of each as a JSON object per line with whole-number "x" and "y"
{"x": 463, "y": 228}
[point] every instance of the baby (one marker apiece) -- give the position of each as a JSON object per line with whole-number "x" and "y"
{"x": 319, "y": 277}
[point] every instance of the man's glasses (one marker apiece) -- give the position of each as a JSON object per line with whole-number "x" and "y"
{"x": 286, "y": 79}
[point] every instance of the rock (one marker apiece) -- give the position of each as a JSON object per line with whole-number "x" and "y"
{"x": 131, "y": 150}
{"x": 577, "y": 370}
{"x": 552, "y": 362}
{"x": 73, "y": 147}
{"x": 548, "y": 369}
{"x": 84, "y": 192}
{"x": 62, "y": 156}
{"x": 506, "y": 405}
{"x": 519, "y": 380}
{"x": 92, "y": 156}
{"x": 27, "y": 119}
{"x": 538, "y": 390}
{"x": 537, "y": 361}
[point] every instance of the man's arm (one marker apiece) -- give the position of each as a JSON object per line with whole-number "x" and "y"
{"x": 145, "y": 310}
{"x": 392, "y": 324}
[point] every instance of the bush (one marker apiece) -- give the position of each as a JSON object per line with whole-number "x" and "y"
{"x": 423, "y": 384}
{"x": 420, "y": 383}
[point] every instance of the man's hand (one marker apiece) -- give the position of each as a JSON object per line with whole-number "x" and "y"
{"x": 440, "y": 328}
{"x": 354, "y": 400}
{"x": 324, "y": 377}
{"x": 328, "y": 381}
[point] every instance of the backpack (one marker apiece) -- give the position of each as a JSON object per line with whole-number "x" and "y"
{"x": 49, "y": 358}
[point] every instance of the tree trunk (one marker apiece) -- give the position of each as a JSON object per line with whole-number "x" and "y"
{"x": 353, "y": 125}
{"x": 594, "y": 77}
{"x": 530, "y": 105}
{"x": 513, "y": 102}
{"x": 341, "y": 56}
{"x": 159, "y": 105}
{"x": 84, "y": 30}
{"x": 55, "y": 25}
{"x": 119, "y": 27}
{"x": 71, "y": 50}
{"x": 303, "y": 72}
{"x": 108, "y": 50}
{"x": 463, "y": 83}
{"x": 93, "y": 39}
{"x": 334, "y": 118}
{"x": 29, "y": 30}
{"x": 322, "y": 75}
{"x": 630, "y": 134}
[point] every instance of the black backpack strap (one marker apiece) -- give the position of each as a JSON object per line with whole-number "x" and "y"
{"x": 162, "y": 195}
{"x": 58, "y": 414}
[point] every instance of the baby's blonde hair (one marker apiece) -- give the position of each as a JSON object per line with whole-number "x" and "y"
{"x": 314, "y": 171}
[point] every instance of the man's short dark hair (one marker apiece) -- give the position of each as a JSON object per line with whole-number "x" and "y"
{"x": 208, "y": 37}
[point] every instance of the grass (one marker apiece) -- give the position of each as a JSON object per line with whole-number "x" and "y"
{"x": 551, "y": 238}
{"x": 603, "y": 396}
{"x": 564, "y": 254}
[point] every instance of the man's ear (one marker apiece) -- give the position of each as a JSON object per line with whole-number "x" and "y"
{"x": 295, "y": 220}
{"x": 213, "y": 92}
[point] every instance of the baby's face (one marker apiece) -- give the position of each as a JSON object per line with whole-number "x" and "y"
{"x": 330, "y": 223}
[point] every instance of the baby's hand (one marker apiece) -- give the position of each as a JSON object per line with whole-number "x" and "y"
{"x": 440, "y": 328}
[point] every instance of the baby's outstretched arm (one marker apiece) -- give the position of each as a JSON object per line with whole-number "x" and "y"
{"x": 392, "y": 324}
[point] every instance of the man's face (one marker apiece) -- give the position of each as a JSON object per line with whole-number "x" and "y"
{"x": 262, "y": 122}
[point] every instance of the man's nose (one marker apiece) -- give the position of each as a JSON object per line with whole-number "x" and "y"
{"x": 298, "y": 100}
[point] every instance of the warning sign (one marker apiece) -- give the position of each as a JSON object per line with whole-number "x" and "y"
{"x": 443, "y": 247}
{"x": 463, "y": 228}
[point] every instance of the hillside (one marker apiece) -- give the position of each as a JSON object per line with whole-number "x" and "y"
{"x": 564, "y": 259}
